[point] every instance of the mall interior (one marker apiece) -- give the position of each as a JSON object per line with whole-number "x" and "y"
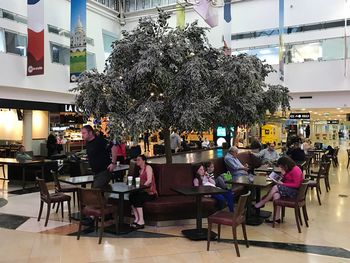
{"x": 280, "y": 186}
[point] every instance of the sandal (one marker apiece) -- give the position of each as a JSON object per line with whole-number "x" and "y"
{"x": 137, "y": 226}
{"x": 278, "y": 221}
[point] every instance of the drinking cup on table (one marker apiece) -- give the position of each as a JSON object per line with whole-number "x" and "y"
{"x": 129, "y": 180}
{"x": 118, "y": 163}
{"x": 137, "y": 182}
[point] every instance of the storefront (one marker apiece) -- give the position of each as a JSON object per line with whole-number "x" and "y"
{"x": 29, "y": 123}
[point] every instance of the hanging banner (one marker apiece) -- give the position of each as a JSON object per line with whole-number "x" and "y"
{"x": 208, "y": 12}
{"x": 180, "y": 15}
{"x": 227, "y": 27}
{"x": 35, "y": 52}
{"x": 77, "y": 39}
{"x": 281, "y": 42}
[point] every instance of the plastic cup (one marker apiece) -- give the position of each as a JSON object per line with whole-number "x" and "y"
{"x": 129, "y": 180}
{"x": 137, "y": 182}
{"x": 118, "y": 163}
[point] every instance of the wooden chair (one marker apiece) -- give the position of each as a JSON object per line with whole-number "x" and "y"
{"x": 335, "y": 157}
{"x": 92, "y": 203}
{"x": 46, "y": 197}
{"x": 348, "y": 150}
{"x": 315, "y": 183}
{"x": 64, "y": 188}
{"x": 307, "y": 166}
{"x": 323, "y": 173}
{"x": 297, "y": 203}
{"x": 231, "y": 219}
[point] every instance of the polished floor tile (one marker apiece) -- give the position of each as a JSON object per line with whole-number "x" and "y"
{"x": 327, "y": 235}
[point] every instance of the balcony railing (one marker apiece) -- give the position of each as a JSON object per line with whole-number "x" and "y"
{"x": 300, "y": 52}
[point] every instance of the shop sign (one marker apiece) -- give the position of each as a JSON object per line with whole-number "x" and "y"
{"x": 320, "y": 122}
{"x": 70, "y": 108}
{"x": 299, "y": 116}
{"x": 332, "y": 121}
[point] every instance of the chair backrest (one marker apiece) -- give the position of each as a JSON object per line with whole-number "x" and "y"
{"x": 326, "y": 158}
{"x": 302, "y": 191}
{"x": 324, "y": 168}
{"x": 91, "y": 197}
{"x": 56, "y": 181}
{"x": 241, "y": 209}
{"x": 307, "y": 164}
{"x": 336, "y": 151}
{"x": 44, "y": 192}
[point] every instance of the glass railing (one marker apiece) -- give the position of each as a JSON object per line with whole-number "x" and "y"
{"x": 137, "y": 5}
{"x": 300, "y": 52}
{"x": 112, "y": 4}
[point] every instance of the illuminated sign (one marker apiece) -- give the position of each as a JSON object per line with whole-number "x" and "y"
{"x": 299, "y": 116}
{"x": 332, "y": 121}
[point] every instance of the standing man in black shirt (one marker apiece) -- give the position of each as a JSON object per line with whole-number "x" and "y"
{"x": 99, "y": 158}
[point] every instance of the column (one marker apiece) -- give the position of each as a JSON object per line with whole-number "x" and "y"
{"x": 27, "y": 130}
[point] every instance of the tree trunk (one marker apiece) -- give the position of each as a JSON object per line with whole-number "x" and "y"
{"x": 235, "y": 134}
{"x": 168, "y": 154}
{"x": 228, "y": 137}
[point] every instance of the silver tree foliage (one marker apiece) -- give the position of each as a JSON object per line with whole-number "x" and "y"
{"x": 159, "y": 77}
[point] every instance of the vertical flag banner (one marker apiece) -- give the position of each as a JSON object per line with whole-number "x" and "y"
{"x": 227, "y": 27}
{"x": 35, "y": 52}
{"x": 180, "y": 15}
{"x": 77, "y": 39}
{"x": 281, "y": 42}
{"x": 208, "y": 12}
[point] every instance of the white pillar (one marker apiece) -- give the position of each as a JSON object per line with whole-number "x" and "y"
{"x": 27, "y": 130}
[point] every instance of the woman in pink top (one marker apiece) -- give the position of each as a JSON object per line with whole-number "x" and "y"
{"x": 288, "y": 187}
{"x": 120, "y": 149}
{"x": 137, "y": 199}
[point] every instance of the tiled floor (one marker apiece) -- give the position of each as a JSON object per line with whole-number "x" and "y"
{"x": 329, "y": 228}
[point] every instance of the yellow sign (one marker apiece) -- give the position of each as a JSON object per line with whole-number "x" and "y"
{"x": 269, "y": 134}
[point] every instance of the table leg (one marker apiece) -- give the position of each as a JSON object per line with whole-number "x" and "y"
{"x": 199, "y": 233}
{"x": 259, "y": 212}
{"x": 121, "y": 228}
{"x": 23, "y": 177}
{"x": 199, "y": 212}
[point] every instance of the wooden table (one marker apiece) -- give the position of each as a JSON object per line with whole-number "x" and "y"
{"x": 25, "y": 164}
{"x": 121, "y": 189}
{"x": 199, "y": 233}
{"x": 78, "y": 180}
{"x": 268, "y": 169}
{"x": 117, "y": 175}
{"x": 89, "y": 179}
{"x": 258, "y": 183}
{"x": 121, "y": 167}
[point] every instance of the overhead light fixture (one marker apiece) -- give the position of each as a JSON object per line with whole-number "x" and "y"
{"x": 265, "y": 51}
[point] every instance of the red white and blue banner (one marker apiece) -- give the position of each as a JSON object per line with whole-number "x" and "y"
{"x": 77, "y": 39}
{"x": 35, "y": 51}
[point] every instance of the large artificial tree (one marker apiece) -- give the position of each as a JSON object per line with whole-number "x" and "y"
{"x": 156, "y": 77}
{"x": 244, "y": 98}
{"x": 159, "y": 77}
